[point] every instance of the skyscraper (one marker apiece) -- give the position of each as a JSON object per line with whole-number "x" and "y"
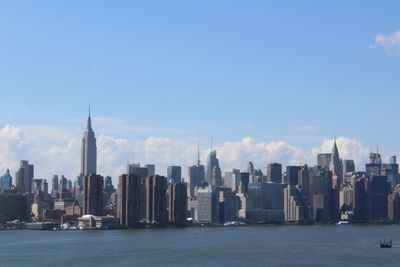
{"x": 212, "y": 168}
{"x": 324, "y": 160}
{"x": 5, "y": 181}
{"x": 174, "y": 174}
{"x": 24, "y": 177}
{"x": 196, "y": 175}
{"x": 89, "y": 150}
{"x": 156, "y": 200}
{"x": 129, "y": 201}
{"x": 55, "y": 189}
{"x": 336, "y": 167}
{"x": 274, "y": 173}
{"x": 177, "y": 203}
{"x": 93, "y": 195}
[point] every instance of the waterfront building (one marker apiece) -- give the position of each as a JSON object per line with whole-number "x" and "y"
{"x": 378, "y": 189}
{"x": 394, "y": 205}
{"x": 264, "y": 203}
{"x": 93, "y": 195}
{"x": 207, "y": 205}
{"x": 360, "y": 201}
{"x": 156, "y": 202}
{"x": 177, "y": 204}
{"x": 129, "y": 200}
{"x": 228, "y": 206}
{"x": 296, "y": 208}
{"x": 321, "y": 195}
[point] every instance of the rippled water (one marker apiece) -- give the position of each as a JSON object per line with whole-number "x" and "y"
{"x": 244, "y": 246}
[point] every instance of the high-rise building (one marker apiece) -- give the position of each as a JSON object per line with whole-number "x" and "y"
{"x": 55, "y": 187}
{"x": 5, "y": 181}
{"x": 151, "y": 169}
{"x": 336, "y": 167}
{"x": 177, "y": 204}
{"x": 394, "y": 205}
{"x": 378, "y": 192}
{"x": 228, "y": 206}
{"x": 129, "y": 201}
{"x": 320, "y": 194}
{"x": 45, "y": 186}
{"x": 212, "y": 169}
{"x": 296, "y": 208}
{"x": 93, "y": 195}
{"x": 24, "y": 177}
{"x": 324, "y": 160}
{"x": 348, "y": 166}
{"x": 156, "y": 200}
{"x": 196, "y": 175}
{"x": 304, "y": 181}
{"x": 252, "y": 173}
{"x": 64, "y": 193}
{"x": 232, "y": 179}
{"x": 174, "y": 174}
{"x": 207, "y": 205}
{"x": 264, "y": 203}
{"x": 360, "y": 201}
{"x": 89, "y": 150}
{"x": 292, "y": 175}
{"x": 274, "y": 173}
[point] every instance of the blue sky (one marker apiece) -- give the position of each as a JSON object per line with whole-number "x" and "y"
{"x": 299, "y": 71}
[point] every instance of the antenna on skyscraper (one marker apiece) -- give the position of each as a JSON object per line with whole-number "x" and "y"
{"x": 198, "y": 154}
{"x": 211, "y": 144}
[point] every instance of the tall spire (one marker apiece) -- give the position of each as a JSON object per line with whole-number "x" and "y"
{"x": 198, "y": 154}
{"x": 211, "y": 144}
{"x": 89, "y": 122}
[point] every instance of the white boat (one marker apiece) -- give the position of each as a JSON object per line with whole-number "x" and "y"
{"x": 343, "y": 223}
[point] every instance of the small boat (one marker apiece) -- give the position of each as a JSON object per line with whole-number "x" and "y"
{"x": 385, "y": 244}
{"x": 343, "y": 223}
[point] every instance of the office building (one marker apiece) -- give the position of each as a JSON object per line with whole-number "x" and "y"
{"x": 129, "y": 200}
{"x": 177, "y": 204}
{"x": 151, "y": 169}
{"x": 324, "y": 160}
{"x": 274, "y": 173}
{"x": 156, "y": 201}
{"x": 89, "y": 150}
{"x": 207, "y": 205}
{"x": 24, "y": 177}
{"x": 93, "y": 195}
{"x": 336, "y": 167}
{"x": 292, "y": 175}
{"x": 174, "y": 174}
{"x": 5, "y": 182}
{"x": 213, "y": 171}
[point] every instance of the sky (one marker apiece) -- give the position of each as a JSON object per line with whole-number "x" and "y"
{"x": 268, "y": 80}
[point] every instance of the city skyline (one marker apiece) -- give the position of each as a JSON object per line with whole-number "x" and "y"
{"x": 273, "y": 152}
{"x": 269, "y": 82}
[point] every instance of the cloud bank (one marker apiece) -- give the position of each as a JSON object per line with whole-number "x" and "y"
{"x": 53, "y": 157}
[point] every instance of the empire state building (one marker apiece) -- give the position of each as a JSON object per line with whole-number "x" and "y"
{"x": 89, "y": 150}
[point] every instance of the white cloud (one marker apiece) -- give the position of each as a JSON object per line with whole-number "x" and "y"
{"x": 52, "y": 156}
{"x": 390, "y": 42}
{"x": 349, "y": 148}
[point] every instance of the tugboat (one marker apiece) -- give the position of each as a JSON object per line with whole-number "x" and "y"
{"x": 385, "y": 244}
